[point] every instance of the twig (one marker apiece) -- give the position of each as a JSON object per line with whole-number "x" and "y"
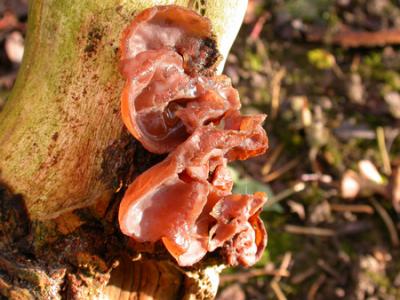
{"x": 394, "y": 237}
{"x": 310, "y": 230}
{"x": 255, "y": 33}
{"x": 338, "y": 71}
{"x": 276, "y": 91}
{"x": 352, "y": 39}
{"x": 299, "y": 278}
{"x": 315, "y": 287}
{"x": 380, "y": 134}
{"x": 298, "y": 187}
{"x": 328, "y": 269}
{"x": 317, "y": 177}
{"x": 276, "y": 174}
{"x": 287, "y": 258}
{"x": 354, "y": 208}
{"x": 277, "y": 290}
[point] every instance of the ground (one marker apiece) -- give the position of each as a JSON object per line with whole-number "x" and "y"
{"x": 327, "y": 74}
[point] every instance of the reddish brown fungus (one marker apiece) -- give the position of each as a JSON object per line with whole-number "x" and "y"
{"x": 174, "y": 103}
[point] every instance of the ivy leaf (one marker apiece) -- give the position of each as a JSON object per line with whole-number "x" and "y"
{"x": 249, "y": 185}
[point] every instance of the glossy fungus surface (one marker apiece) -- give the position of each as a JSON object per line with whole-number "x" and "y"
{"x": 174, "y": 103}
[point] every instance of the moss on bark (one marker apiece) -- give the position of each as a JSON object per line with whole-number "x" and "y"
{"x": 60, "y": 132}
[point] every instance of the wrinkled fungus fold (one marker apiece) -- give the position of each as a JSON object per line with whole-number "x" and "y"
{"x": 174, "y": 103}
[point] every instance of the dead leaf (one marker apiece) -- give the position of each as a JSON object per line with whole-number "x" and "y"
{"x": 392, "y": 99}
{"x": 369, "y": 171}
{"x": 14, "y": 47}
{"x": 355, "y": 89}
{"x": 321, "y": 213}
{"x": 297, "y": 208}
{"x": 350, "y": 185}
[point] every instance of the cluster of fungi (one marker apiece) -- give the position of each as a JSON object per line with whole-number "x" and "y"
{"x": 174, "y": 103}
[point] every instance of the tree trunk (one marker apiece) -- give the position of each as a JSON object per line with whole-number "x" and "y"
{"x": 65, "y": 159}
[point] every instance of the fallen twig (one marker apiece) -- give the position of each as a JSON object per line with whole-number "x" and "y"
{"x": 299, "y": 278}
{"x": 315, "y": 287}
{"x": 277, "y": 290}
{"x": 287, "y": 258}
{"x": 353, "y": 208}
{"x": 328, "y": 269}
{"x": 317, "y": 177}
{"x": 352, "y": 39}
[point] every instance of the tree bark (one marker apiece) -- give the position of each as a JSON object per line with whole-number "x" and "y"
{"x": 65, "y": 159}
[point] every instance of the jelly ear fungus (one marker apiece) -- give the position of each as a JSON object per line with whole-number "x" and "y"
{"x": 174, "y": 103}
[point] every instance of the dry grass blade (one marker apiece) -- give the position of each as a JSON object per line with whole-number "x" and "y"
{"x": 380, "y": 134}
{"x": 298, "y": 187}
{"x": 278, "y": 173}
{"x": 277, "y": 273}
{"x": 276, "y": 91}
{"x": 245, "y": 276}
{"x": 396, "y": 189}
{"x": 394, "y": 237}
{"x": 317, "y": 231}
{"x": 273, "y": 156}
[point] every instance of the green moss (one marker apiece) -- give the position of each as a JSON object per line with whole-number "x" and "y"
{"x": 43, "y": 233}
{"x": 279, "y": 241}
{"x": 374, "y": 68}
{"x": 309, "y": 11}
{"x": 347, "y": 247}
{"x": 380, "y": 280}
{"x": 253, "y": 61}
{"x": 321, "y": 59}
{"x": 333, "y": 153}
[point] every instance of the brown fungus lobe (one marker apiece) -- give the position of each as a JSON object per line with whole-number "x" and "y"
{"x": 173, "y": 102}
